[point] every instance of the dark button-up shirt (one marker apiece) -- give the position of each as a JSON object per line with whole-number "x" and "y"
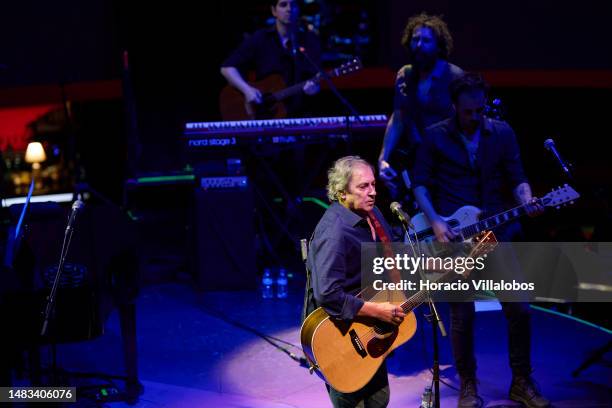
{"x": 264, "y": 53}
{"x": 443, "y": 166}
{"x": 334, "y": 260}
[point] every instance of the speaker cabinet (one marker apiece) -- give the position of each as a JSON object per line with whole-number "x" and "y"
{"x": 225, "y": 239}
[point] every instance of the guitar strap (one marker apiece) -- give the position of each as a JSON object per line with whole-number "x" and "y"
{"x": 309, "y": 301}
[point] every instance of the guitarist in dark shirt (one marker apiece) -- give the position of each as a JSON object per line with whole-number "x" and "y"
{"x": 472, "y": 160}
{"x": 276, "y": 50}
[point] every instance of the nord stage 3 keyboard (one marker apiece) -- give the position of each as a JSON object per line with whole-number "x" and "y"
{"x": 219, "y": 135}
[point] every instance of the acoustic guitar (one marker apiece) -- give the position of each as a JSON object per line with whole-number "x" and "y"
{"x": 347, "y": 354}
{"x": 233, "y": 106}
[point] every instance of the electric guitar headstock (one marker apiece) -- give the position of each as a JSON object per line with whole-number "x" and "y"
{"x": 560, "y": 197}
{"x": 495, "y": 109}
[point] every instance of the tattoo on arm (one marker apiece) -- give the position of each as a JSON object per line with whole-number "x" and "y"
{"x": 522, "y": 193}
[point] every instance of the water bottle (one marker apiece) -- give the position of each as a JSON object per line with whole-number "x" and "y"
{"x": 267, "y": 284}
{"x": 427, "y": 398}
{"x": 281, "y": 284}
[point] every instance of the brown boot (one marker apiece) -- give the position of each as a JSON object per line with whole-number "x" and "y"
{"x": 525, "y": 391}
{"x": 468, "y": 395}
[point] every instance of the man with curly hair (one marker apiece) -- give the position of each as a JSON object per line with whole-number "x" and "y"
{"x": 421, "y": 96}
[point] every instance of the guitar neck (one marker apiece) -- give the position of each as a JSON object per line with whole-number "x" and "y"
{"x": 421, "y": 296}
{"x": 344, "y": 69}
{"x": 493, "y": 221}
{"x": 288, "y": 92}
{"x": 555, "y": 198}
{"x": 297, "y": 88}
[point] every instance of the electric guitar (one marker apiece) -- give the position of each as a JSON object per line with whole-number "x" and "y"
{"x": 346, "y": 355}
{"x": 467, "y": 223}
{"x": 233, "y": 106}
{"x": 403, "y": 155}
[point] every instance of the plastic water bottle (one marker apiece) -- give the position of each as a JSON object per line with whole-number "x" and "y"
{"x": 281, "y": 284}
{"x": 427, "y": 398}
{"x": 267, "y": 284}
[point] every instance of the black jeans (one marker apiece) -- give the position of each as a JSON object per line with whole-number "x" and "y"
{"x": 501, "y": 265}
{"x": 375, "y": 394}
{"x": 519, "y": 337}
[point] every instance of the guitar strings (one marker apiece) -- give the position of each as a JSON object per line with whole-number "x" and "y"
{"x": 407, "y": 306}
{"x": 419, "y": 298}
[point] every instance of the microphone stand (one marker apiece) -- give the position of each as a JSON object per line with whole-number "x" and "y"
{"x": 566, "y": 168}
{"x": 432, "y": 317}
{"x": 50, "y": 305}
{"x": 350, "y": 109}
{"x": 293, "y": 28}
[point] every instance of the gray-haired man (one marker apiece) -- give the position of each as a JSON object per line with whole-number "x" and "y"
{"x": 334, "y": 260}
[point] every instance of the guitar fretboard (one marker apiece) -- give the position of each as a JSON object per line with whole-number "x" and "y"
{"x": 421, "y": 296}
{"x": 353, "y": 66}
{"x": 290, "y": 91}
{"x": 492, "y": 222}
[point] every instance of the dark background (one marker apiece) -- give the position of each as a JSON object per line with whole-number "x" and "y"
{"x": 68, "y": 41}
{"x": 176, "y": 48}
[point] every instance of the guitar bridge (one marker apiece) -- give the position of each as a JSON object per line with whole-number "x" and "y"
{"x": 357, "y": 344}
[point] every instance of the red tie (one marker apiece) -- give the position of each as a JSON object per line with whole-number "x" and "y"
{"x": 380, "y": 231}
{"x": 394, "y": 274}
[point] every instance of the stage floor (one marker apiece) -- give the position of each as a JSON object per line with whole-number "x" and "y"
{"x": 202, "y": 350}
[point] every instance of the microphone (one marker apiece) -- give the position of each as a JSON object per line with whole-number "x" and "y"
{"x": 396, "y": 209}
{"x": 549, "y": 145}
{"x": 76, "y": 207}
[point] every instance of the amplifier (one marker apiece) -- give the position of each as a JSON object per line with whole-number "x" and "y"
{"x": 224, "y": 183}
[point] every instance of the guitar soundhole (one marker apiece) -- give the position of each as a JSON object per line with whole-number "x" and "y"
{"x": 383, "y": 328}
{"x": 377, "y": 347}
